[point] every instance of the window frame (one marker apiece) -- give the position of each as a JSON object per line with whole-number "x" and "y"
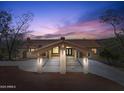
{"x": 53, "y": 50}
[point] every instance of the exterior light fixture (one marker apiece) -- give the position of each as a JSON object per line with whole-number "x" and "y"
{"x": 85, "y": 65}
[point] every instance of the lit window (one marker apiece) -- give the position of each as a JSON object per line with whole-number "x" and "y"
{"x": 56, "y": 50}
{"x": 68, "y": 47}
{"x": 31, "y": 50}
{"x": 94, "y": 50}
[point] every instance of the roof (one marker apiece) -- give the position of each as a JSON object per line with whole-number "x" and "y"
{"x": 60, "y": 42}
{"x": 85, "y": 43}
{"x": 41, "y": 43}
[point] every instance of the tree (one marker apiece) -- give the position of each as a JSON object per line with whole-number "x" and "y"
{"x": 115, "y": 20}
{"x": 12, "y": 33}
{"x": 110, "y": 57}
{"x": 5, "y": 20}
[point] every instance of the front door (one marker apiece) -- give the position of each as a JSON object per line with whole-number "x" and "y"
{"x": 69, "y": 51}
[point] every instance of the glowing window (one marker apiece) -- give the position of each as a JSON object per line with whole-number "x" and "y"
{"x": 31, "y": 50}
{"x": 68, "y": 47}
{"x": 55, "y": 50}
{"x": 94, "y": 50}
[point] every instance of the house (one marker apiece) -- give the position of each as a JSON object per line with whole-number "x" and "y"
{"x": 62, "y": 48}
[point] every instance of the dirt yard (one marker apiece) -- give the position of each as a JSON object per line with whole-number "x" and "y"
{"x": 11, "y": 78}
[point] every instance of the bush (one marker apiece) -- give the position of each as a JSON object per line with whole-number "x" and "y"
{"x": 109, "y": 56}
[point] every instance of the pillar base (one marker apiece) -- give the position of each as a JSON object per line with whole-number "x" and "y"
{"x": 85, "y": 65}
{"x": 39, "y": 65}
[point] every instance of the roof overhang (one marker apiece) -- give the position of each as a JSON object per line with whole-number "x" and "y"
{"x": 58, "y": 43}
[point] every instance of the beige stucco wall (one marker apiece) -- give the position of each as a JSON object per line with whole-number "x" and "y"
{"x": 50, "y": 54}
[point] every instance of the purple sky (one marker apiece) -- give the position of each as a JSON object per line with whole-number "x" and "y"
{"x": 69, "y": 19}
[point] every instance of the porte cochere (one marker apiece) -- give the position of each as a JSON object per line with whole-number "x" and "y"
{"x": 60, "y": 48}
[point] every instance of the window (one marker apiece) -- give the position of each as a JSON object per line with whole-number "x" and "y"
{"x": 69, "y": 51}
{"x": 31, "y": 49}
{"x": 68, "y": 47}
{"x": 55, "y": 50}
{"x": 94, "y": 50}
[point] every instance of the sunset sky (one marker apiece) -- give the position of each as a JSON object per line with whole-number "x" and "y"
{"x": 69, "y": 19}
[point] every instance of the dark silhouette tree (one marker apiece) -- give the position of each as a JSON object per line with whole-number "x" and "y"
{"x": 5, "y": 20}
{"x": 10, "y": 33}
{"x": 113, "y": 18}
{"x": 110, "y": 57}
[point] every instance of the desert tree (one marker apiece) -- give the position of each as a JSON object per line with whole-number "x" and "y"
{"x": 113, "y": 18}
{"x": 5, "y": 20}
{"x": 109, "y": 56}
{"x": 13, "y": 32}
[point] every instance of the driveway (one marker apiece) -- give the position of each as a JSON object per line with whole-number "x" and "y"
{"x": 106, "y": 71}
{"x": 91, "y": 66}
{"x": 76, "y": 81}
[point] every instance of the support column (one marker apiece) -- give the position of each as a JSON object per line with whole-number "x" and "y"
{"x": 85, "y": 63}
{"x": 49, "y": 54}
{"x": 39, "y": 64}
{"x": 75, "y": 55}
{"x": 62, "y": 59}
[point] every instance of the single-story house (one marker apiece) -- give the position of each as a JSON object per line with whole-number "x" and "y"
{"x": 61, "y": 48}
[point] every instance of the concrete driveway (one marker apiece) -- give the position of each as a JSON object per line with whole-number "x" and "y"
{"x": 91, "y": 66}
{"x": 106, "y": 71}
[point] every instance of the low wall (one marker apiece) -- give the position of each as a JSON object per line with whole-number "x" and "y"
{"x": 28, "y": 65}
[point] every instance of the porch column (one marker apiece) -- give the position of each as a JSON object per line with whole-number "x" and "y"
{"x": 85, "y": 63}
{"x": 39, "y": 64}
{"x": 46, "y": 54}
{"x": 49, "y": 54}
{"x": 62, "y": 59}
{"x": 75, "y": 54}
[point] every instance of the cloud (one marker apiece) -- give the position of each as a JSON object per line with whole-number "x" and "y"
{"x": 92, "y": 28}
{"x": 89, "y": 30}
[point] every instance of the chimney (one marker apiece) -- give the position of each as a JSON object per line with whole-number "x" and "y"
{"x": 62, "y": 38}
{"x": 28, "y": 39}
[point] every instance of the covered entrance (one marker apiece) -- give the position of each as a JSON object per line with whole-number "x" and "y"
{"x": 53, "y": 65}
{"x": 66, "y": 60}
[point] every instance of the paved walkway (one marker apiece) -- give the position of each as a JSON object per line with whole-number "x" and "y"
{"x": 53, "y": 65}
{"x": 106, "y": 71}
{"x": 91, "y": 66}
